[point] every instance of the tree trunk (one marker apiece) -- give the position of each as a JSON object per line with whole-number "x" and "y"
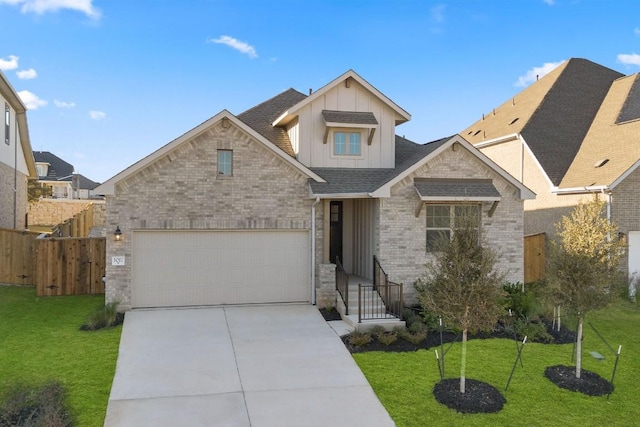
{"x": 463, "y": 364}
{"x": 579, "y": 348}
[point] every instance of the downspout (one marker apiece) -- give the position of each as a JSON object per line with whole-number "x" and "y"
{"x": 313, "y": 250}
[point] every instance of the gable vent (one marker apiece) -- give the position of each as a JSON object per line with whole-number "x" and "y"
{"x": 600, "y": 163}
{"x": 514, "y": 120}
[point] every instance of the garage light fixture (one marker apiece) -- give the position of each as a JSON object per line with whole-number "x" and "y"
{"x": 117, "y": 235}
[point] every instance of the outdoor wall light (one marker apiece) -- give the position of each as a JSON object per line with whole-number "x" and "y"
{"x": 117, "y": 235}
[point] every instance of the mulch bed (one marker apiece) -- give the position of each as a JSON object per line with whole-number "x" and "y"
{"x": 119, "y": 321}
{"x": 589, "y": 382}
{"x": 479, "y": 397}
{"x": 330, "y": 315}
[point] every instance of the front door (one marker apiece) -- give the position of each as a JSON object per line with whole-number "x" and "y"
{"x": 335, "y": 237}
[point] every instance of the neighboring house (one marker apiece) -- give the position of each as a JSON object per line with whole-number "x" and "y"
{"x": 16, "y": 159}
{"x": 257, "y": 207}
{"x": 573, "y": 134}
{"x": 60, "y": 176}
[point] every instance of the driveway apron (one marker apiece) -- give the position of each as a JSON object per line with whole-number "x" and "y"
{"x": 259, "y": 366}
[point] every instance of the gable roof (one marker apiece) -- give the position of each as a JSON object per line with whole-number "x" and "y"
{"x": 401, "y": 115}
{"x": 58, "y": 170}
{"x": 358, "y": 182}
{"x": 262, "y": 115}
{"x": 10, "y": 94}
{"x": 611, "y": 147}
{"x": 84, "y": 183}
{"x": 552, "y": 115}
{"x": 108, "y": 187}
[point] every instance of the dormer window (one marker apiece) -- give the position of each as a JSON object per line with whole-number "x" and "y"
{"x": 346, "y": 143}
{"x": 347, "y": 129}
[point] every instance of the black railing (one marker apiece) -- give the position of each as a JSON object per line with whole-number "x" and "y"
{"x": 342, "y": 285}
{"x": 383, "y": 299}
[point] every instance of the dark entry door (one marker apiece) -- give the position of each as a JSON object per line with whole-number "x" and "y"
{"x": 335, "y": 223}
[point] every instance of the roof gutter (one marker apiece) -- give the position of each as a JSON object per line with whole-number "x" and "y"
{"x": 582, "y": 190}
{"x": 499, "y": 140}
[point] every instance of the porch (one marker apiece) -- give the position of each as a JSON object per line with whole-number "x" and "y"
{"x": 364, "y": 303}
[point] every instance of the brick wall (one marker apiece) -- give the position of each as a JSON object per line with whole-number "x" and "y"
{"x": 181, "y": 191}
{"x": 54, "y": 211}
{"x": 625, "y": 207}
{"x": 7, "y": 218}
{"x": 403, "y": 250}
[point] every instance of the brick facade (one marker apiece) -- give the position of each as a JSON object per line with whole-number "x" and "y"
{"x": 402, "y": 235}
{"x": 625, "y": 207}
{"x": 181, "y": 191}
{"x": 10, "y": 217}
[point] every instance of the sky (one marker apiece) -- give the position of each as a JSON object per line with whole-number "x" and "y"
{"x": 107, "y": 82}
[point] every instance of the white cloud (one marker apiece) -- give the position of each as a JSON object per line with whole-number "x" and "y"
{"x": 437, "y": 13}
{"x": 549, "y": 2}
{"x": 536, "y": 73}
{"x": 236, "y": 44}
{"x": 31, "y": 100}
{"x": 97, "y": 115}
{"x": 10, "y": 63}
{"x": 27, "y": 74}
{"x": 63, "y": 104}
{"x": 629, "y": 59}
{"x": 40, "y": 7}
{"x": 636, "y": 31}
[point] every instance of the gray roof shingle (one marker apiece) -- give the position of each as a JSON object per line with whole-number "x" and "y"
{"x": 260, "y": 117}
{"x": 631, "y": 108}
{"x": 557, "y": 128}
{"x": 59, "y": 170}
{"x": 459, "y": 188}
{"x": 349, "y": 117}
{"x": 359, "y": 180}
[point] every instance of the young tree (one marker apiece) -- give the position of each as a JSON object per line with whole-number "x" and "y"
{"x": 35, "y": 190}
{"x": 583, "y": 267}
{"x": 462, "y": 285}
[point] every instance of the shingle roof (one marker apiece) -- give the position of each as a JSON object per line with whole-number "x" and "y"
{"x": 631, "y": 108}
{"x": 456, "y": 188}
{"x": 553, "y": 115}
{"x": 85, "y": 183}
{"x": 260, "y": 117}
{"x": 358, "y": 180}
{"x": 59, "y": 170}
{"x": 349, "y": 117}
{"x": 619, "y": 143}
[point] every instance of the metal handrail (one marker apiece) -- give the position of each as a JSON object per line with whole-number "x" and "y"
{"x": 342, "y": 284}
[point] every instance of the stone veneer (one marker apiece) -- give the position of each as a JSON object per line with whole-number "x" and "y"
{"x": 7, "y": 219}
{"x": 181, "y": 191}
{"x": 403, "y": 250}
{"x": 326, "y": 285}
{"x": 55, "y": 211}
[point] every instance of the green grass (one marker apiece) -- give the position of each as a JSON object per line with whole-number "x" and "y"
{"x": 40, "y": 341}
{"x": 404, "y": 381}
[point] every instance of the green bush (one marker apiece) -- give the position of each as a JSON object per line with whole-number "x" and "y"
{"x": 104, "y": 317}
{"x": 43, "y": 406}
{"x": 413, "y": 337}
{"x": 387, "y": 337}
{"x": 534, "y": 331}
{"x": 359, "y": 339}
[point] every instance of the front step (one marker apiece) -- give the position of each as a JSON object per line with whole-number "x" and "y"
{"x": 376, "y": 307}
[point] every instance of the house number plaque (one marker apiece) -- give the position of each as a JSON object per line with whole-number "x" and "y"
{"x": 117, "y": 260}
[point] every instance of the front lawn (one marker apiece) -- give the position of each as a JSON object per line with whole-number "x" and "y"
{"x": 40, "y": 341}
{"x": 404, "y": 381}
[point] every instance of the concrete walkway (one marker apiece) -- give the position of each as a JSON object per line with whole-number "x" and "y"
{"x": 260, "y": 366}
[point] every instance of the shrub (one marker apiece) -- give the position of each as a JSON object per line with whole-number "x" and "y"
{"x": 534, "y": 331}
{"x": 25, "y": 406}
{"x": 413, "y": 337}
{"x": 105, "y": 317}
{"x": 387, "y": 337}
{"x": 359, "y": 339}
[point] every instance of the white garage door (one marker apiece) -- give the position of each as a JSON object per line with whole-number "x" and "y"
{"x": 185, "y": 268}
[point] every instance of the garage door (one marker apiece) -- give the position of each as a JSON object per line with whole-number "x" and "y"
{"x": 186, "y": 268}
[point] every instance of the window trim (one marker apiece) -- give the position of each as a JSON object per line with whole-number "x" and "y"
{"x": 452, "y": 221}
{"x": 347, "y": 131}
{"x": 7, "y": 124}
{"x": 219, "y": 164}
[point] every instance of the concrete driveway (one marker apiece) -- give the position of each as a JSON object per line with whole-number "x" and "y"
{"x": 238, "y": 366}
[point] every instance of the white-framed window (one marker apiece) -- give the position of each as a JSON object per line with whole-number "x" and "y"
{"x": 225, "y": 162}
{"x": 7, "y": 124}
{"x": 443, "y": 219}
{"x": 347, "y": 143}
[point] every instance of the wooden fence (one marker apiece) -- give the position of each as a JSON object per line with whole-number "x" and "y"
{"x": 534, "y": 257}
{"x": 17, "y": 257}
{"x": 56, "y": 266}
{"x": 78, "y": 226}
